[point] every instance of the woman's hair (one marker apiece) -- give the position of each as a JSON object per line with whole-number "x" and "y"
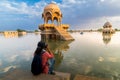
{"x": 40, "y": 46}
{"x": 38, "y": 50}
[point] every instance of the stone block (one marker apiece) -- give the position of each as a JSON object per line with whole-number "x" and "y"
{"x": 82, "y": 77}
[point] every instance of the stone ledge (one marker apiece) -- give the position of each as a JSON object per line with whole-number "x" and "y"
{"x": 25, "y": 75}
{"x": 82, "y": 77}
{"x": 63, "y": 76}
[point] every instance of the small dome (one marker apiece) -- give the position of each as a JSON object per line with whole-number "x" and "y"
{"x": 107, "y": 24}
{"x": 52, "y": 6}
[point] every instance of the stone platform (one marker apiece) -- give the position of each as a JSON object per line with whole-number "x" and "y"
{"x": 82, "y": 77}
{"x": 25, "y": 75}
{"x": 19, "y": 74}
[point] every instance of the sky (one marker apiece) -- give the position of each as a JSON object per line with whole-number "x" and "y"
{"x": 79, "y": 14}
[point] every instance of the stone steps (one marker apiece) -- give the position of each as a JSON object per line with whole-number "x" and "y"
{"x": 63, "y": 33}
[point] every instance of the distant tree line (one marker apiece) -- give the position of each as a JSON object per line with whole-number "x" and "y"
{"x": 36, "y": 31}
{"x": 100, "y": 29}
{"x": 22, "y": 30}
{"x": 117, "y": 29}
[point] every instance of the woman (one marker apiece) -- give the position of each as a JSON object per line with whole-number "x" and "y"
{"x": 46, "y": 54}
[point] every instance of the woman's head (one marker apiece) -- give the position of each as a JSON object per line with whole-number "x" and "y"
{"x": 42, "y": 45}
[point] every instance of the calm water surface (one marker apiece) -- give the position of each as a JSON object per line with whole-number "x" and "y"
{"x": 91, "y": 54}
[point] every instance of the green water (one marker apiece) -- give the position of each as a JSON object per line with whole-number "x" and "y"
{"x": 91, "y": 54}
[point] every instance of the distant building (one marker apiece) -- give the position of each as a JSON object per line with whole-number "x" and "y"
{"x": 54, "y": 29}
{"x": 22, "y": 33}
{"x": 9, "y": 34}
{"x": 107, "y": 28}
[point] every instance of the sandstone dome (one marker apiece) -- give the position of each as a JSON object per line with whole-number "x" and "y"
{"x": 107, "y": 24}
{"x": 52, "y": 6}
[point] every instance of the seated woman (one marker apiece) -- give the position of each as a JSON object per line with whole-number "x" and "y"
{"x": 48, "y": 60}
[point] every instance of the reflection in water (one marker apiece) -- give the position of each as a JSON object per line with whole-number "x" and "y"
{"x": 100, "y": 59}
{"x": 1, "y": 33}
{"x": 57, "y": 48}
{"x": 82, "y": 56}
{"x": 106, "y": 38}
{"x": 0, "y": 63}
{"x": 8, "y": 68}
{"x": 21, "y": 35}
{"x": 37, "y": 33}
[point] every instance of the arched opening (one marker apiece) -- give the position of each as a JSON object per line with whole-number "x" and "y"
{"x": 110, "y": 26}
{"x": 56, "y": 21}
{"x": 49, "y": 20}
{"x": 61, "y": 15}
{"x": 48, "y": 14}
{"x": 42, "y": 15}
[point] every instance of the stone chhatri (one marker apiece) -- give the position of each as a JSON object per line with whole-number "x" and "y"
{"x": 54, "y": 29}
{"x": 107, "y": 28}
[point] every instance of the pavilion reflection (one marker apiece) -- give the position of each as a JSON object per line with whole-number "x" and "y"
{"x": 57, "y": 47}
{"x": 21, "y": 34}
{"x": 1, "y": 34}
{"x": 106, "y": 38}
{"x": 37, "y": 33}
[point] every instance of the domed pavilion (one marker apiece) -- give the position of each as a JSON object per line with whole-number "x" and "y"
{"x": 107, "y": 28}
{"x": 53, "y": 27}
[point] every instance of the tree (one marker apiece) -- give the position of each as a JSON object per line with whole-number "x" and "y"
{"x": 36, "y": 30}
{"x": 116, "y": 29}
{"x": 100, "y": 29}
{"x": 20, "y": 30}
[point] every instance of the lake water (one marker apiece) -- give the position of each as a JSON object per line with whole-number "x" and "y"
{"x": 91, "y": 54}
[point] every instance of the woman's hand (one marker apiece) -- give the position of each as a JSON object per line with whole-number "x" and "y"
{"x": 48, "y": 49}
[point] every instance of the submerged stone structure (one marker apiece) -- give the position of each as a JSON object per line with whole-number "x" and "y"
{"x": 53, "y": 27}
{"x": 9, "y": 34}
{"x": 107, "y": 28}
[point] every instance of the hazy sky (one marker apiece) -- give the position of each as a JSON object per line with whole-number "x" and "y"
{"x": 80, "y": 14}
